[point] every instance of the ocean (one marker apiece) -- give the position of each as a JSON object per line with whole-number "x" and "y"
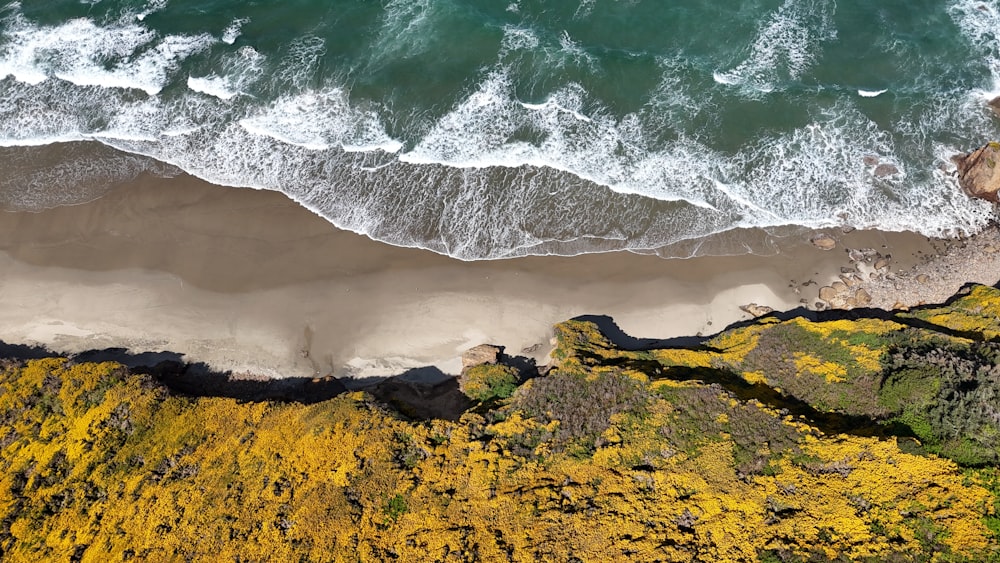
{"x": 487, "y": 129}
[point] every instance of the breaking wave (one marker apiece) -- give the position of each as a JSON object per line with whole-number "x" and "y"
{"x": 509, "y": 159}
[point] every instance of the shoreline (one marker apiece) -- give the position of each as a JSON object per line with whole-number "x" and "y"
{"x": 250, "y": 282}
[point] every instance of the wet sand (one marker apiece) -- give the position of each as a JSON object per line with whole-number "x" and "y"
{"x": 250, "y": 282}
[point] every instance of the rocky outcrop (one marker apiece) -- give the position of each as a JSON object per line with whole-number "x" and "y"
{"x": 978, "y": 173}
{"x": 482, "y": 354}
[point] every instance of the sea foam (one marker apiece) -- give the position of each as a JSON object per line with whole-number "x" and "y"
{"x": 497, "y": 172}
{"x": 871, "y": 93}
{"x": 785, "y": 46}
{"x": 212, "y": 85}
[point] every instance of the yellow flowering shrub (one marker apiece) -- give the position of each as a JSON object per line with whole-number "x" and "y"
{"x": 660, "y": 455}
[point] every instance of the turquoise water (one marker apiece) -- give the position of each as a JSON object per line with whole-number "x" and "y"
{"x": 485, "y": 129}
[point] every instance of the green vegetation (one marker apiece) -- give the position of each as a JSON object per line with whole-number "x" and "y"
{"x": 490, "y": 382}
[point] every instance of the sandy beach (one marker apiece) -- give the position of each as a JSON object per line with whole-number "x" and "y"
{"x": 250, "y": 282}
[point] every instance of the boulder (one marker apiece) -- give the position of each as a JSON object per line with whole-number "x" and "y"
{"x": 482, "y": 354}
{"x": 979, "y": 173}
{"x": 863, "y": 298}
{"x": 757, "y": 310}
{"x": 994, "y": 105}
{"x": 885, "y": 170}
{"x": 827, "y": 293}
{"x": 823, "y": 242}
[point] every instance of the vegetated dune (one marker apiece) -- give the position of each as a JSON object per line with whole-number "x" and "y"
{"x": 849, "y": 438}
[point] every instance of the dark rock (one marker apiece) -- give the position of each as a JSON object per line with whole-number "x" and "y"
{"x": 423, "y": 400}
{"x": 885, "y": 170}
{"x": 978, "y": 173}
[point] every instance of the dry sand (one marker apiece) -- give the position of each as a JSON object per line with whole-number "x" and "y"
{"x": 248, "y": 281}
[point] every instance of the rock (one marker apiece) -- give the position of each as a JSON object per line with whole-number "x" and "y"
{"x": 855, "y": 256}
{"x": 820, "y": 306}
{"x": 862, "y": 297}
{"x": 756, "y": 310}
{"x": 482, "y": 354}
{"x": 923, "y": 278}
{"x": 846, "y": 270}
{"x": 839, "y": 286}
{"x": 848, "y": 280}
{"x": 978, "y": 173}
{"x": 990, "y": 249}
{"x": 885, "y": 170}
{"x": 870, "y": 160}
{"x": 827, "y": 293}
{"x": 823, "y": 242}
{"x": 882, "y": 263}
{"x": 994, "y": 105}
{"x": 900, "y": 305}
